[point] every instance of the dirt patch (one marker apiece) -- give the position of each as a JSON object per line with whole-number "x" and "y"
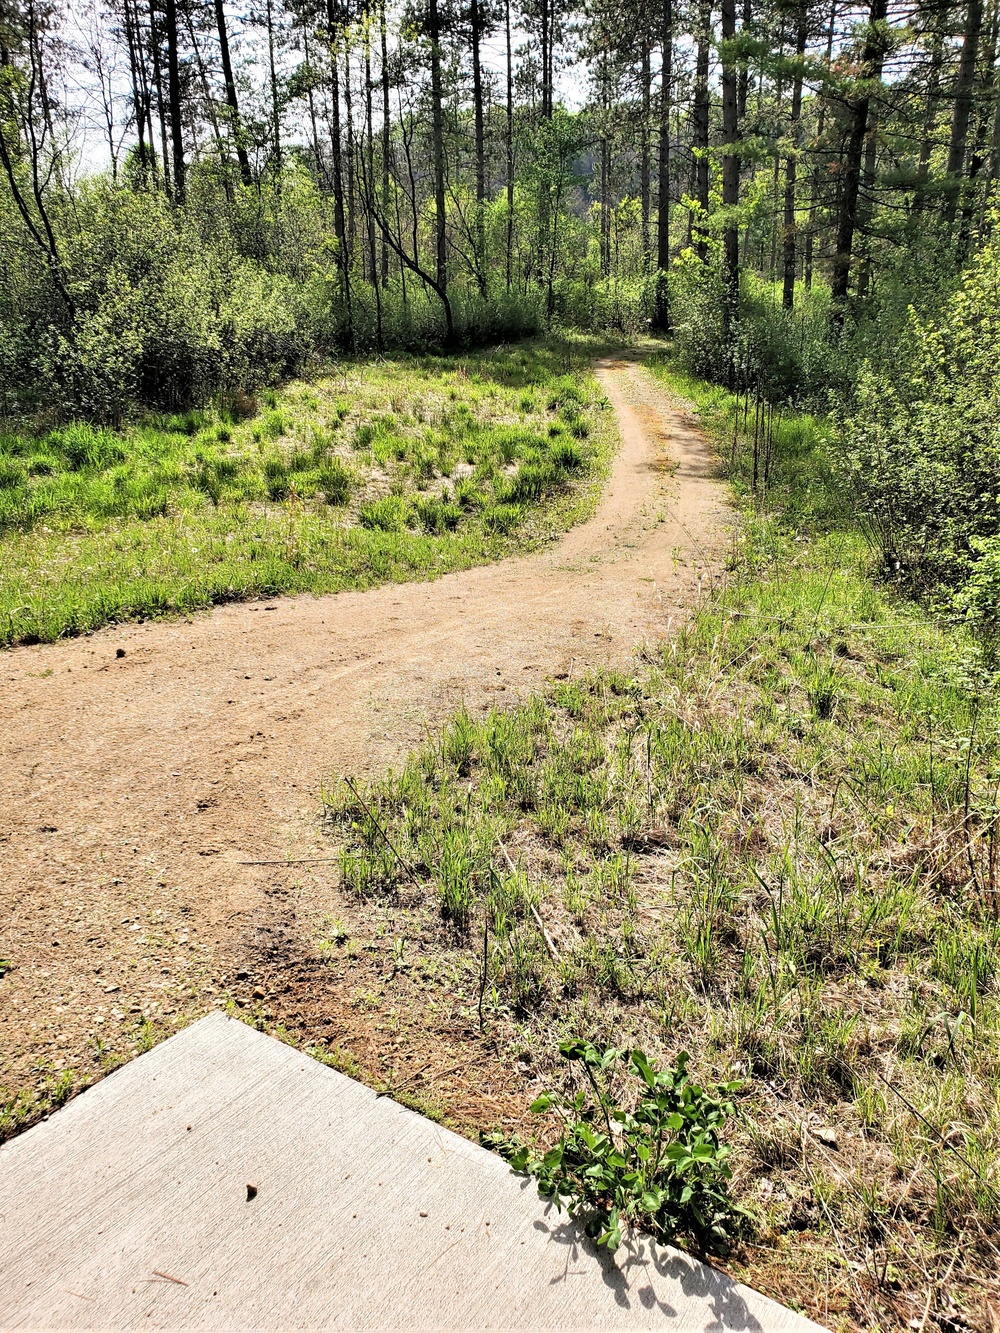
{"x": 150, "y": 772}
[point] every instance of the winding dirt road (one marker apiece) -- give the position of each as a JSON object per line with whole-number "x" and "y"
{"x": 133, "y": 788}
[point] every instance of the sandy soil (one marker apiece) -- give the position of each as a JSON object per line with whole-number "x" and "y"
{"x": 143, "y": 766}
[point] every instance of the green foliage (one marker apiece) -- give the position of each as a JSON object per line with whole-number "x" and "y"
{"x": 657, "y": 1164}
{"x": 979, "y": 599}
{"x": 920, "y": 440}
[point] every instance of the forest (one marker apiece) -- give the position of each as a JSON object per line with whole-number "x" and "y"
{"x": 602, "y": 400}
{"x": 802, "y": 196}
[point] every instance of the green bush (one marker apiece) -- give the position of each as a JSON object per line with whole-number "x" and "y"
{"x": 919, "y": 445}
{"x": 656, "y": 1163}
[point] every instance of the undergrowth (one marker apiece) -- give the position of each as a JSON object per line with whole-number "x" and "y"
{"x": 772, "y": 843}
{"x": 372, "y": 472}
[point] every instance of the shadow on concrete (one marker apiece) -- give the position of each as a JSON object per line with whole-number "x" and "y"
{"x": 665, "y": 1267}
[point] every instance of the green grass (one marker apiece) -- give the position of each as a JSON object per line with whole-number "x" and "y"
{"x": 373, "y": 472}
{"x": 774, "y": 842}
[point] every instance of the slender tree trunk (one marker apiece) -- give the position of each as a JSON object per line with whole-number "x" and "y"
{"x": 605, "y": 170}
{"x": 743, "y": 88}
{"x": 510, "y": 149}
{"x": 352, "y": 203}
{"x": 791, "y": 166}
{"x": 547, "y": 15}
{"x": 369, "y": 149}
{"x": 994, "y": 160}
{"x": 174, "y": 96}
{"x": 982, "y": 127}
{"x": 206, "y": 93}
{"x": 661, "y": 316}
{"x": 850, "y": 183}
{"x": 477, "y": 102}
{"x": 275, "y": 99}
{"x": 644, "y": 164}
{"x": 963, "y": 94}
{"x": 730, "y": 176}
{"x": 161, "y": 104}
{"x": 311, "y": 98}
{"x": 437, "y": 119}
{"x": 386, "y": 138}
{"x": 147, "y": 93}
{"x": 138, "y": 94}
{"x": 340, "y": 230}
{"x": 699, "y": 118}
{"x": 866, "y": 203}
{"x": 807, "y": 274}
{"x": 232, "y": 101}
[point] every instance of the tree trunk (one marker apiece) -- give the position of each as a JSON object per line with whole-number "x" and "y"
{"x": 340, "y": 230}
{"x": 275, "y": 101}
{"x": 730, "y": 176}
{"x": 807, "y": 273}
{"x": 744, "y": 83}
{"x": 930, "y": 116}
{"x": 139, "y": 99}
{"x": 310, "y": 97}
{"x": 982, "y": 128}
{"x": 605, "y": 169}
{"x": 231, "y": 99}
{"x": 437, "y": 120}
{"x": 206, "y": 93}
{"x": 644, "y": 197}
{"x": 791, "y": 166}
{"x": 161, "y": 104}
{"x": 699, "y": 118}
{"x": 369, "y": 150}
{"x": 962, "y": 105}
{"x": 477, "y": 100}
{"x": 866, "y": 203}
{"x": 847, "y": 212}
{"x": 352, "y": 206}
{"x": 386, "y": 137}
{"x": 510, "y": 148}
{"x": 174, "y": 97}
{"x": 547, "y": 16}
{"x": 661, "y": 316}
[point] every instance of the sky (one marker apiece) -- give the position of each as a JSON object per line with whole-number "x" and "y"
{"x": 82, "y": 83}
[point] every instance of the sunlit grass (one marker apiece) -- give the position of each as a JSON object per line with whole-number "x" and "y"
{"x": 373, "y": 471}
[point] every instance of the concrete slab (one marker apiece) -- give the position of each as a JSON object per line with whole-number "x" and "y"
{"x": 128, "y": 1209}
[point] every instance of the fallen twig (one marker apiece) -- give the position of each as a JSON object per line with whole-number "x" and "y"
{"x": 410, "y": 872}
{"x": 297, "y": 861}
{"x": 550, "y": 946}
{"x": 553, "y": 952}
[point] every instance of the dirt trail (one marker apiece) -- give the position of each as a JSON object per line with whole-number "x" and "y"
{"x": 136, "y": 785}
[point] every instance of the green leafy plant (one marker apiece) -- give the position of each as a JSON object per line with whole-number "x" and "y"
{"x": 658, "y": 1166}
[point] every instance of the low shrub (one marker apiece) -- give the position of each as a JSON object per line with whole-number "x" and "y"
{"x": 656, "y": 1162}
